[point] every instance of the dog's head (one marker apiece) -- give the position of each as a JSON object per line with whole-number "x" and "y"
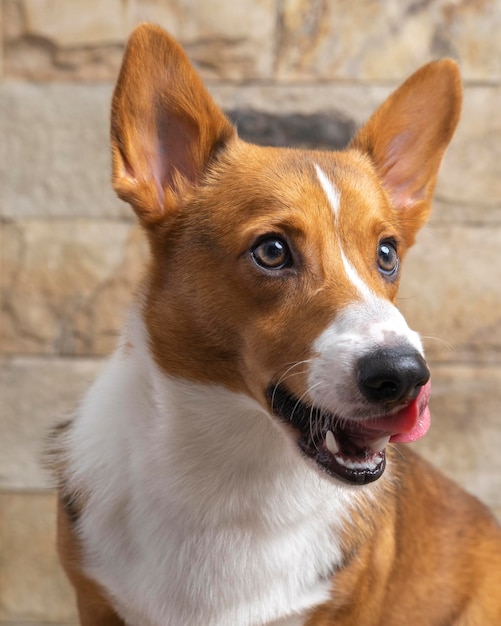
{"x": 274, "y": 272}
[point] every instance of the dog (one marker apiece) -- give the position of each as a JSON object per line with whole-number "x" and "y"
{"x": 240, "y": 460}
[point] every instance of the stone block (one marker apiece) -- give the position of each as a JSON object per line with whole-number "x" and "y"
{"x": 465, "y": 435}
{"x": 450, "y": 292}
{"x": 83, "y": 39}
{"x": 65, "y": 284}
{"x": 36, "y": 394}
{"x": 54, "y": 39}
{"x": 55, "y": 158}
{"x": 469, "y": 184}
{"x": 33, "y": 588}
{"x": 379, "y": 41}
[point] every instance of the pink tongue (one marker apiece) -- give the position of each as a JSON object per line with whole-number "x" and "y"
{"x": 411, "y": 423}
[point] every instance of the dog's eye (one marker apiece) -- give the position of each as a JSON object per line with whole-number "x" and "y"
{"x": 387, "y": 258}
{"x": 272, "y": 253}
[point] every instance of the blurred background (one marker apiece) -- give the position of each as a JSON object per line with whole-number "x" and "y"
{"x": 296, "y": 72}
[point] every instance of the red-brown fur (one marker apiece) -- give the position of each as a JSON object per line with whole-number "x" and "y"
{"x": 426, "y": 532}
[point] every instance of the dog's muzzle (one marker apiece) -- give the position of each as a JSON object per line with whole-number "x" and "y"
{"x": 395, "y": 384}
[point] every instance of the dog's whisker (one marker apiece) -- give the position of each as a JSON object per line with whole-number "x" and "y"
{"x": 300, "y": 400}
{"x": 441, "y": 341}
{"x": 288, "y": 373}
{"x": 399, "y": 451}
{"x": 315, "y": 425}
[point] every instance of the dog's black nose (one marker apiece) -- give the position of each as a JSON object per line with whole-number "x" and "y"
{"x": 391, "y": 375}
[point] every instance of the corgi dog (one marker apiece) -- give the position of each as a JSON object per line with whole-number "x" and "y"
{"x": 241, "y": 458}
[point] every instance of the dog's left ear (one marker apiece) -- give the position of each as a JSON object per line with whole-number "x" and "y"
{"x": 407, "y": 136}
{"x": 165, "y": 127}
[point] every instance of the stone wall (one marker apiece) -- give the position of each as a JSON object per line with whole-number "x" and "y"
{"x": 290, "y": 71}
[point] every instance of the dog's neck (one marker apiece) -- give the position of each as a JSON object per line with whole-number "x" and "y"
{"x": 193, "y": 457}
{"x": 211, "y": 441}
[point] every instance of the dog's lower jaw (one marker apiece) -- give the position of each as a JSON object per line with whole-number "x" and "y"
{"x": 179, "y": 472}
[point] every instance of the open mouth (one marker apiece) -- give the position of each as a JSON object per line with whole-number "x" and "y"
{"x": 351, "y": 450}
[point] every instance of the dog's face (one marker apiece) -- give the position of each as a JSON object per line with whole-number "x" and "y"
{"x": 274, "y": 272}
{"x": 277, "y": 279}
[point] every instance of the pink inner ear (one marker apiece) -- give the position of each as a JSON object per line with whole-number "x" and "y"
{"x": 402, "y": 199}
{"x": 405, "y": 177}
{"x": 177, "y": 140}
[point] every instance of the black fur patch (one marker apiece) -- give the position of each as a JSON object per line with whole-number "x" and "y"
{"x": 71, "y": 506}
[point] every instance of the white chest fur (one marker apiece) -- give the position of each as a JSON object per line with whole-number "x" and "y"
{"x": 201, "y": 510}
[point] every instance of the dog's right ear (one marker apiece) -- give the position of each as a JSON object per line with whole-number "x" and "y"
{"x": 165, "y": 127}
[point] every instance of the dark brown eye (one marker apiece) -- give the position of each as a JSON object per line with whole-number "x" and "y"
{"x": 272, "y": 253}
{"x": 387, "y": 258}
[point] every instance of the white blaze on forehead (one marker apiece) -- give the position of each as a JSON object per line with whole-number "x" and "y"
{"x": 354, "y": 277}
{"x": 331, "y": 191}
{"x": 333, "y": 195}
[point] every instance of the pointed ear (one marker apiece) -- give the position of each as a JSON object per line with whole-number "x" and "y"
{"x": 165, "y": 127}
{"x": 407, "y": 136}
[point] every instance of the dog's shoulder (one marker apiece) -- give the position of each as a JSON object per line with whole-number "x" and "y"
{"x": 435, "y": 516}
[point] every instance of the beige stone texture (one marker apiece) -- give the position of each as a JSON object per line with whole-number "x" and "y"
{"x": 36, "y": 394}
{"x": 465, "y": 435}
{"x": 470, "y": 181}
{"x": 450, "y": 292}
{"x": 39, "y": 45}
{"x": 381, "y": 41}
{"x": 65, "y": 286}
{"x": 83, "y": 39}
{"x": 54, "y": 154}
{"x": 73, "y": 24}
{"x": 33, "y": 588}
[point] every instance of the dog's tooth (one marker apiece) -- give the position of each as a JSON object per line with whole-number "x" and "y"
{"x": 378, "y": 445}
{"x": 367, "y": 464}
{"x": 331, "y": 443}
